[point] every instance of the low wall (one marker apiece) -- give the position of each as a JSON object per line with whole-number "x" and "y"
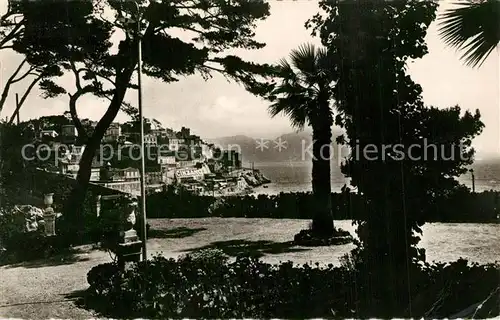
{"x": 31, "y": 189}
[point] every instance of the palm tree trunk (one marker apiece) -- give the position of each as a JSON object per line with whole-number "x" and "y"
{"x": 322, "y": 224}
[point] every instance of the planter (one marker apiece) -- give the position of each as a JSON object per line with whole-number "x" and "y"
{"x": 306, "y": 238}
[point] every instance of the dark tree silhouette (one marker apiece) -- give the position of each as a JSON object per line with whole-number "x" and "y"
{"x": 77, "y": 32}
{"x": 12, "y": 28}
{"x": 303, "y": 95}
{"x": 388, "y": 128}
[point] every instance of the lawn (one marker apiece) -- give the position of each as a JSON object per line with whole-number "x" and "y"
{"x": 47, "y": 288}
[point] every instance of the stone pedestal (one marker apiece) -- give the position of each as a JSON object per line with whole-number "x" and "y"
{"x": 129, "y": 253}
{"x": 49, "y": 216}
{"x": 129, "y": 247}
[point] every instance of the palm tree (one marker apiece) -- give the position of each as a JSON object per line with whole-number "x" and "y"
{"x": 472, "y": 27}
{"x": 303, "y": 95}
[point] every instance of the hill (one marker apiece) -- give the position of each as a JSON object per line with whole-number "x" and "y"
{"x": 295, "y": 146}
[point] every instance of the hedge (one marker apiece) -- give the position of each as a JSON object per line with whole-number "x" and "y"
{"x": 460, "y": 206}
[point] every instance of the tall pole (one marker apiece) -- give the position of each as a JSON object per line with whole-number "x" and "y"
{"x": 17, "y": 108}
{"x": 143, "y": 163}
{"x": 473, "y": 181}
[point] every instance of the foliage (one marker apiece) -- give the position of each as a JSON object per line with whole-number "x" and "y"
{"x": 472, "y": 27}
{"x": 249, "y": 288}
{"x": 16, "y": 244}
{"x": 77, "y": 35}
{"x": 380, "y": 107}
{"x": 208, "y": 255}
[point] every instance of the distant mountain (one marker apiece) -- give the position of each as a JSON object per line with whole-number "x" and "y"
{"x": 295, "y": 146}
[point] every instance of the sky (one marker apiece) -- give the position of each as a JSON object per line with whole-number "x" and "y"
{"x": 217, "y": 108}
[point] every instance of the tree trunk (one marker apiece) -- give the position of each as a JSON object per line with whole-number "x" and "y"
{"x": 82, "y": 134}
{"x": 73, "y": 210}
{"x": 322, "y": 224}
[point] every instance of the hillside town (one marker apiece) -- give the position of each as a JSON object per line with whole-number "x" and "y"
{"x": 173, "y": 158}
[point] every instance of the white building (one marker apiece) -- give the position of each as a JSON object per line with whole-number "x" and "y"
{"x": 207, "y": 151}
{"x": 48, "y": 133}
{"x": 166, "y": 160}
{"x": 241, "y": 184}
{"x": 186, "y": 163}
{"x": 150, "y": 139}
{"x": 189, "y": 173}
{"x": 126, "y": 174}
{"x": 175, "y": 143}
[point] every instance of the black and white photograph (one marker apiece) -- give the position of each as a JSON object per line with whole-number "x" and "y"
{"x": 249, "y": 159}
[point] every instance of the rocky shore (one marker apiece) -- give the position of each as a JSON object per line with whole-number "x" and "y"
{"x": 255, "y": 178}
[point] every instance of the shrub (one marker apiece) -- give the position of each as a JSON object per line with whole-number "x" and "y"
{"x": 207, "y": 286}
{"x": 208, "y": 255}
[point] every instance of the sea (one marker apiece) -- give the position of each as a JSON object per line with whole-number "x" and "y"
{"x": 296, "y": 177}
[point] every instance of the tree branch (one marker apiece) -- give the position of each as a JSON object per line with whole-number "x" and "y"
{"x": 82, "y": 134}
{"x": 9, "y": 82}
{"x": 23, "y": 98}
{"x": 77, "y": 75}
{"x": 12, "y": 34}
{"x": 27, "y": 73}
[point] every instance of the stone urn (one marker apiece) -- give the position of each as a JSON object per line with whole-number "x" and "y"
{"x": 49, "y": 215}
{"x": 48, "y": 199}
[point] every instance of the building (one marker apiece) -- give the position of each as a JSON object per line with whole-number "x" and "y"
{"x": 131, "y": 187}
{"x": 48, "y": 133}
{"x": 174, "y": 144}
{"x": 95, "y": 174}
{"x": 69, "y": 130}
{"x": 154, "y": 177}
{"x": 150, "y": 139}
{"x": 214, "y": 166}
{"x": 167, "y": 160}
{"x": 186, "y": 163}
{"x": 126, "y": 174}
{"x": 169, "y": 175}
{"x": 207, "y": 151}
{"x": 231, "y": 159}
{"x": 242, "y": 184}
{"x": 189, "y": 174}
{"x": 113, "y": 133}
{"x": 95, "y": 171}
{"x": 159, "y": 132}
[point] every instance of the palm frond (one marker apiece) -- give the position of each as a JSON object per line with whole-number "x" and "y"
{"x": 303, "y": 83}
{"x": 304, "y": 59}
{"x": 294, "y": 107}
{"x": 472, "y": 27}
